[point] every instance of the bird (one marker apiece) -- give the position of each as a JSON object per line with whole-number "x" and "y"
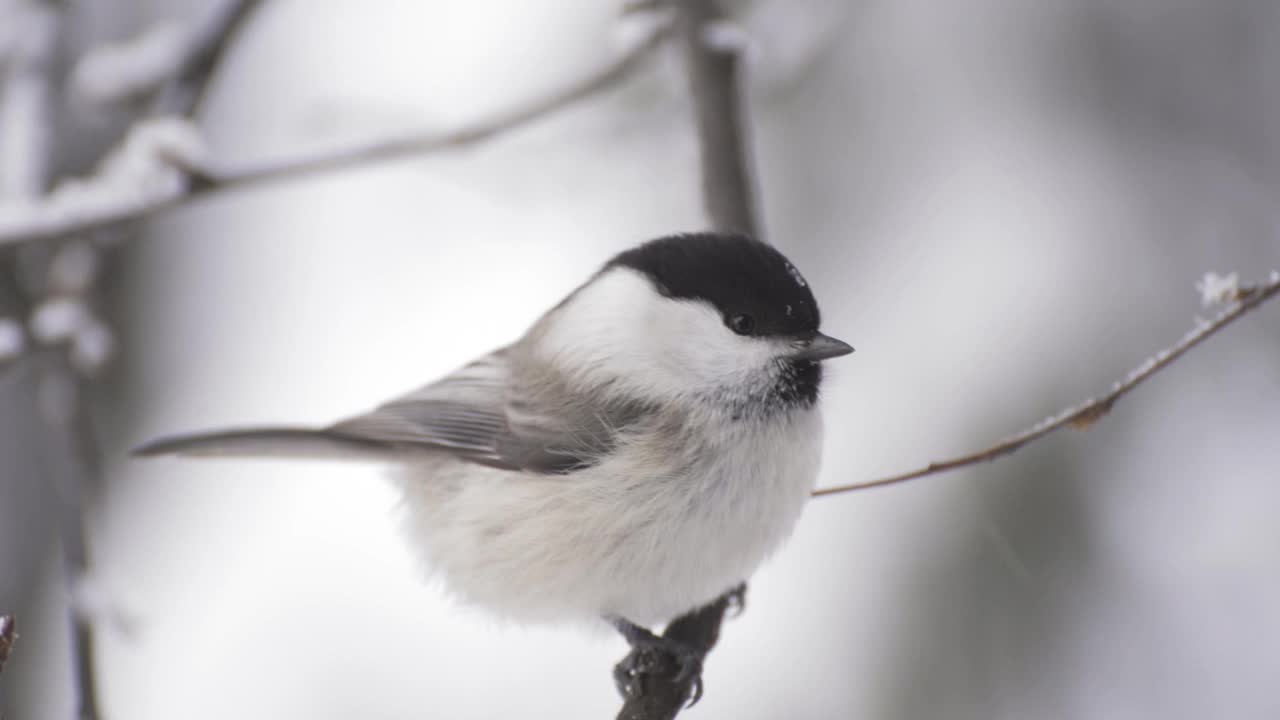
{"x": 635, "y": 455}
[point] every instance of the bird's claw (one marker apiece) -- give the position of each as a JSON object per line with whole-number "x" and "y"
{"x": 651, "y": 655}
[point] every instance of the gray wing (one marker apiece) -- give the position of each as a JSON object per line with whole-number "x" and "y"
{"x": 461, "y": 413}
{"x": 488, "y": 414}
{"x": 482, "y": 413}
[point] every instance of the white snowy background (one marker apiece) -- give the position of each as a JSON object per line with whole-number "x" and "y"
{"x": 1003, "y": 206}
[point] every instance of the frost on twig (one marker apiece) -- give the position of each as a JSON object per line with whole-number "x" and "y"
{"x": 1213, "y": 289}
{"x": 152, "y": 166}
{"x": 134, "y": 68}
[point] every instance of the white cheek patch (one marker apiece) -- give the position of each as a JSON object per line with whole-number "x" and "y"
{"x": 698, "y": 351}
{"x": 619, "y": 330}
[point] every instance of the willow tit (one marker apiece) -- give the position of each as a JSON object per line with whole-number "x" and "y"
{"x": 634, "y": 456}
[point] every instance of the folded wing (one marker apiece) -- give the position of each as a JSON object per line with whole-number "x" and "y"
{"x": 479, "y": 413}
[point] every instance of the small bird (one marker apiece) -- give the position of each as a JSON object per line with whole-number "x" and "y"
{"x": 635, "y": 455}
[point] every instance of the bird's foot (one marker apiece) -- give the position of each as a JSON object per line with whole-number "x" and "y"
{"x": 655, "y": 655}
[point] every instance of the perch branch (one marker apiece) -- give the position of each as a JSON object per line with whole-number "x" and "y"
{"x": 664, "y": 693}
{"x": 48, "y": 220}
{"x": 1085, "y": 414}
{"x": 716, "y": 96}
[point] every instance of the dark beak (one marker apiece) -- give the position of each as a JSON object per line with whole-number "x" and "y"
{"x": 821, "y": 347}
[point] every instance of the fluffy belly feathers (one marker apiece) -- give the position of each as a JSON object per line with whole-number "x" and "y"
{"x": 617, "y": 538}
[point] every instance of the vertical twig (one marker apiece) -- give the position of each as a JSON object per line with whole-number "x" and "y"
{"x": 71, "y": 462}
{"x": 712, "y": 57}
{"x": 27, "y": 151}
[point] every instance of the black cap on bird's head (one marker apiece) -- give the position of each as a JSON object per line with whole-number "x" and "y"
{"x": 756, "y": 290}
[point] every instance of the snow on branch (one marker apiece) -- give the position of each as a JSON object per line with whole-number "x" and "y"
{"x": 149, "y": 168}
{"x": 167, "y": 165}
{"x": 1213, "y": 288}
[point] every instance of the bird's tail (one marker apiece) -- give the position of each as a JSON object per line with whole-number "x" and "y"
{"x": 277, "y": 442}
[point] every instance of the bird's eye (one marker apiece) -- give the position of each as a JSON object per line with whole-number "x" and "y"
{"x": 742, "y": 323}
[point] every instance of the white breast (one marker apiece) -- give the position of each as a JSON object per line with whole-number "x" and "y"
{"x": 664, "y": 525}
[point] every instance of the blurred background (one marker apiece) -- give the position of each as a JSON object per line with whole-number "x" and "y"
{"x": 1003, "y": 205}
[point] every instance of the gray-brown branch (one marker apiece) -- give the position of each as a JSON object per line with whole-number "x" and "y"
{"x": 664, "y": 696}
{"x": 1085, "y": 414}
{"x": 712, "y": 59}
{"x": 728, "y": 196}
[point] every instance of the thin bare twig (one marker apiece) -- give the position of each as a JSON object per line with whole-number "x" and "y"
{"x": 8, "y": 633}
{"x": 1085, "y": 414}
{"x": 728, "y": 198}
{"x": 515, "y": 118}
{"x": 45, "y": 222}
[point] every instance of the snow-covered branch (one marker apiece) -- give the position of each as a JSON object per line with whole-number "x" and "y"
{"x": 148, "y": 169}
{"x": 1213, "y": 289}
{"x": 173, "y": 169}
